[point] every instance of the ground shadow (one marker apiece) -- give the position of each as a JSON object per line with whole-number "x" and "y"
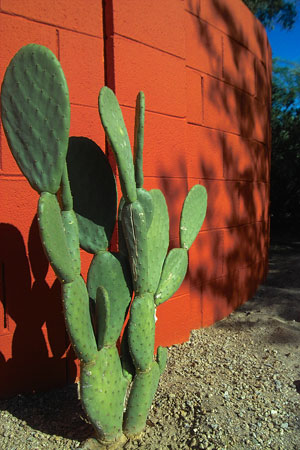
{"x": 276, "y": 304}
{"x": 56, "y": 412}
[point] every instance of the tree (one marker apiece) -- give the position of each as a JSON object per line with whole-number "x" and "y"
{"x": 285, "y": 120}
{"x": 270, "y": 12}
{"x": 285, "y": 156}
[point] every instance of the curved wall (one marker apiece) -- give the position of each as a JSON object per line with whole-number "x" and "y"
{"x": 205, "y": 68}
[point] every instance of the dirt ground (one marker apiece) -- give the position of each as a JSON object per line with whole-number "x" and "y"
{"x": 233, "y": 386}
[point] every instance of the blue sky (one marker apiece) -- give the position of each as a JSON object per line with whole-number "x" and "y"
{"x": 286, "y": 44}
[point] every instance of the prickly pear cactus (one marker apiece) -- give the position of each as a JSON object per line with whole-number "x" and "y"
{"x": 156, "y": 274}
{"x": 78, "y": 208}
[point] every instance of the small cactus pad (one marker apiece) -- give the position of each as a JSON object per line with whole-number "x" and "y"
{"x": 102, "y": 317}
{"x": 94, "y": 193}
{"x": 36, "y": 115}
{"x": 115, "y": 129}
{"x": 139, "y": 139}
{"x": 192, "y": 215}
{"x": 102, "y": 391}
{"x": 140, "y": 399}
{"x": 158, "y": 238}
{"x": 78, "y": 319}
{"x": 72, "y": 236}
{"x": 141, "y": 331}
{"x": 112, "y": 272}
{"x": 54, "y": 238}
{"x": 135, "y": 232}
{"x": 173, "y": 273}
{"x": 162, "y": 356}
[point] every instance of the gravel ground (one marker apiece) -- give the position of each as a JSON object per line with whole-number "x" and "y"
{"x": 233, "y": 386}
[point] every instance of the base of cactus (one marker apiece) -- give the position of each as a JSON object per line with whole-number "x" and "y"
{"x": 94, "y": 444}
{"x": 135, "y": 436}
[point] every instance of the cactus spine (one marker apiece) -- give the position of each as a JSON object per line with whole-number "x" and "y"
{"x": 36, "y": 117}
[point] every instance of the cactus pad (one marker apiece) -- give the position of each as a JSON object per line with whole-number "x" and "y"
{"x": 192, "y": 215}
{"x": 36, "y": 115}
{"x": 141, "y": 331}
{"x": 158, "y": 238}
{"x": 162, "y": 355}
{"x": 135, "y": 232}
{"x": 145, "y": 200}
{"x": 78, "y": 319}
{"x": 102, "y": 390}
{"x": 112, "y": 272}
{"x": 72, "y": 237}
{"x": 127, "y": 363}
{"x": 102, "y": 317}
{"x": 54, "y": 239}
{"x": 115, "y": 129}
{"x": 140, "y": 399}
{"x": 139, "y": 139}
{"x": 173, "y": 273}
{"x": 94, "y": 193}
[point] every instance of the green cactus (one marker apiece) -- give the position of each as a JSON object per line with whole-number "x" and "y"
{"x": 78, "y": 208}
{"x": 156, "y": 275}
{"x": 139, "y": 140}
{"x": 115, "y": 129}
{"x": 36, "y": 115}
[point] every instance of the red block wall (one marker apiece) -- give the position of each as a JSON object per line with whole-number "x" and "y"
{"x": 205, "y": 68}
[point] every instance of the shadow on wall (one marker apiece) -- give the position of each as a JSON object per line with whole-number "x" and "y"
{"x": 38, "y": 357}
{"x": 229, "y": 257}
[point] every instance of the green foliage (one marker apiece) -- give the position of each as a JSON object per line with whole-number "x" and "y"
{"x": 85, "y": 213}
{"x": 286, "y": 87}
{"x": 285, "y": 156}
{"x": 270, "y": 12}
{"x": 285, "y": 120}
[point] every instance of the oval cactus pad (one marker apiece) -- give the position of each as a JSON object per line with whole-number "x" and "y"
{"x": 115, "y": 129}
{"x": 54, "y": 238}
{"x": 192, "y": 215}
{"x": 36, "y": 115}
{"x": 112, "y": 272}
{"x": 158, "y": 238}
{"x": 173, "y": 273}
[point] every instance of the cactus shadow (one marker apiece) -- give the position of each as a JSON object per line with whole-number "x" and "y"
{"x": 32, "y": 320}
{"x": 47, "y": 412}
